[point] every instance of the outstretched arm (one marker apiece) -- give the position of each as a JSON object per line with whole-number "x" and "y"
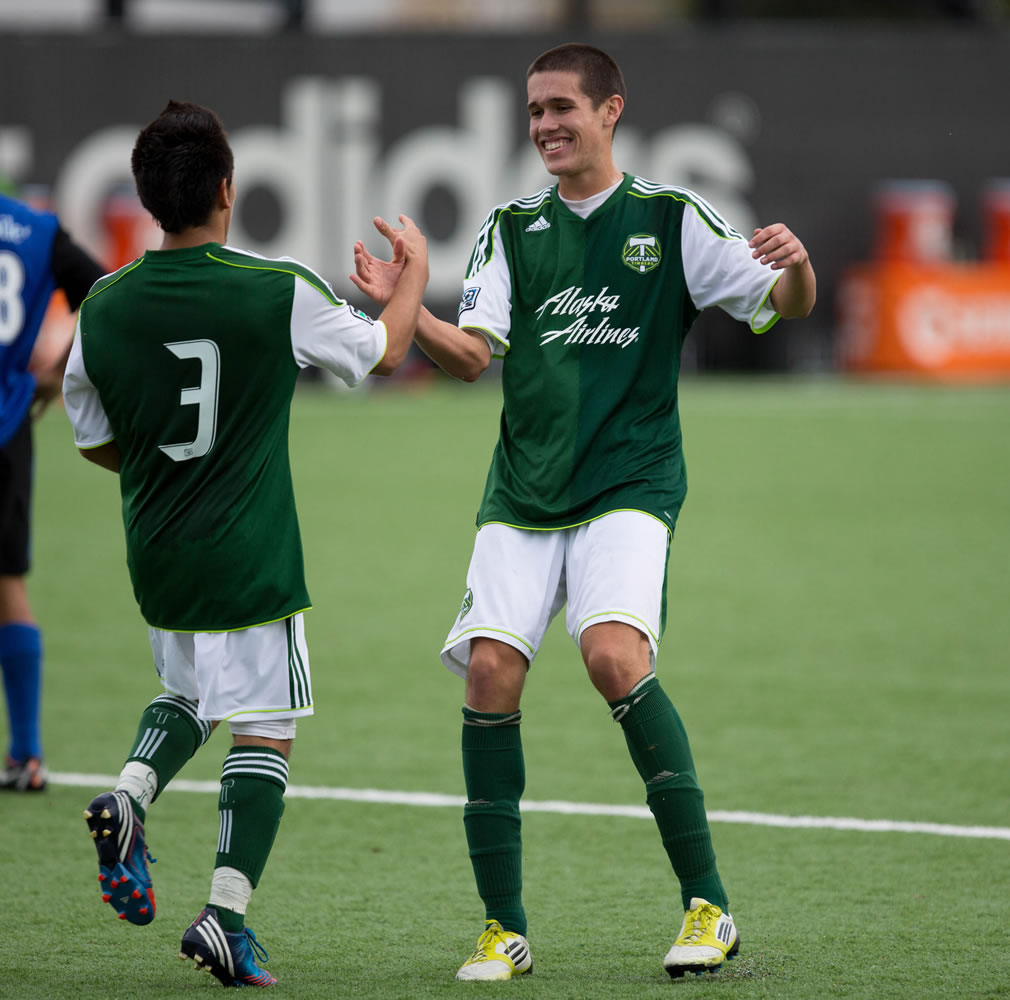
{"x": 459, "y": 352}
{"x": 409, "y": 268}
{"x": 795, "y": 292}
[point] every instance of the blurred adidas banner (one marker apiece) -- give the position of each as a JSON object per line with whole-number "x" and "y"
{"x": 330, "y": 131}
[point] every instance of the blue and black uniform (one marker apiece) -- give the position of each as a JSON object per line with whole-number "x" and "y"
{"x": 36, "y": 258}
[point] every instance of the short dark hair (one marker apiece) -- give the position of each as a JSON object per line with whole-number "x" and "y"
{"x": 178, "y": 162}
{"x": 599, "y": 76}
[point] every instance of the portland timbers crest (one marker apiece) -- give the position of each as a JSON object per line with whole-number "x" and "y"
{"x": 467, "y": 604}
{"x": 642, "y": 252}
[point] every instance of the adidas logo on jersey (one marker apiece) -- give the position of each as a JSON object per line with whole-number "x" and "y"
{"x": 539, "y": 226}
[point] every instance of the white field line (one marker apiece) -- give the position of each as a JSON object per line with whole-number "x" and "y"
{"x": 378, "y": 796}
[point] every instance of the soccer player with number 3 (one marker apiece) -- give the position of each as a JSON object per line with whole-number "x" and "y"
{"x": 180, "y": 380}
{"x": 587, "y": 290}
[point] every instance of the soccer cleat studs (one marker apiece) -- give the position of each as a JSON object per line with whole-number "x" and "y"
{"x": 230, "y": 957}
{"x": 118, "y": 836}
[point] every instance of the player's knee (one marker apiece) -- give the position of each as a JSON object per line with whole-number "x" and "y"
{"x": 14, "y": 604}
{"x": 616, "y": 658}
{"x": 614, "y": 669}
{"x": 491, "y": 657}
{"x": 614, "y": 680}
{"x": 495, "y": 676}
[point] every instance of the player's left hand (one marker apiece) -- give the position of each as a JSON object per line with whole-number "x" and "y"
{"x": 777, "y": 246}
{"x": 376, "y": 277}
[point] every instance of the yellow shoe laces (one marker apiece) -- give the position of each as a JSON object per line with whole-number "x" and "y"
{"x": 697, "y": 923}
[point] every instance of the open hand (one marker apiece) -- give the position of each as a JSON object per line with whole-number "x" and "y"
{"x": 376, "y": 277}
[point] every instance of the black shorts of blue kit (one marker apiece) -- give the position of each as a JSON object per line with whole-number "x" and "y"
{"x": 16, "y": 501}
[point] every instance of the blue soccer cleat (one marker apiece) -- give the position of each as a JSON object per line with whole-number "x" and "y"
{"x": 230, "y": 957}
{"x": 122, "y": 857}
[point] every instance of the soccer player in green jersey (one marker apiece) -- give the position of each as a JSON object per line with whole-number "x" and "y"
{"x": 587, "y": 290}
{"x": 180, "y": 379}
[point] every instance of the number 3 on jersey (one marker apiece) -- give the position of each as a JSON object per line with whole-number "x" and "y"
{"x": 203, "y": 396}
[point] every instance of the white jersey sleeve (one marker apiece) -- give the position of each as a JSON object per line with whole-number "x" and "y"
{"x": 328, "y": 333}
{"x": 486, "y": 305}
{"x": 720, "y": 270}
{"x": 83, "y": 405}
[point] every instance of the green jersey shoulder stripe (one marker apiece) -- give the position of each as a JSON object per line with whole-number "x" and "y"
{"x": 533, "y": 200}
{"x": 708, "y": 214}
{"x": 484, "y": 247}
{"x": 110, "y": 279}
{"x": 285, "y": 265}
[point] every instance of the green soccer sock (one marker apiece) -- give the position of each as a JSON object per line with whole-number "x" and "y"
{"x": 495, "y": 776}
{"x": 169, "y": 733}
{"x": 253, "y": 780}
{"x": 231, "y": 921}
{"x": 659, "y": 747}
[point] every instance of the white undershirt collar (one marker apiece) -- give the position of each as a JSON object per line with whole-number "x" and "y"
{"x": 584, "y": 208}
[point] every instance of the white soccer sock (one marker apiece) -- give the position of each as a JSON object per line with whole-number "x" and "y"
{"x": 139, "y": 781}
{"x": 231, "y": 889}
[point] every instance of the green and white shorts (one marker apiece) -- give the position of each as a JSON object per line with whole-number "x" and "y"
{"x": 248, "y": 675}
{"x": 610, "y": 569}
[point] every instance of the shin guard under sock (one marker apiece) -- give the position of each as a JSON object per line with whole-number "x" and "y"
{"x": 169, "y": 733}
{"x": 495, "y": 776}
{"x": 659, "y": 747}
{"x": 253, "y": 781}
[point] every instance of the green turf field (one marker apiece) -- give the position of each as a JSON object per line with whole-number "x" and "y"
{"x": 838, "y": 644}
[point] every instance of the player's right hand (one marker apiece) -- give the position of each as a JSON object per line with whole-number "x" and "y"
{"x": 409, "y": 242}
{"x": 377, "y": 278}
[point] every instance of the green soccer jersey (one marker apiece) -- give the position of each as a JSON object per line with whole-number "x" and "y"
{"x": 590, "y": 315}
{"x": 187, "y": 359}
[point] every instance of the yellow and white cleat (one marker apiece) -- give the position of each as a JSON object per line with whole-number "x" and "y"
{"x": 707, "y": 938}
{"x": 500, "y": 954}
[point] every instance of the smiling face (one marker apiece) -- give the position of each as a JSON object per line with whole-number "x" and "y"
{"x": 573, "y": 138}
